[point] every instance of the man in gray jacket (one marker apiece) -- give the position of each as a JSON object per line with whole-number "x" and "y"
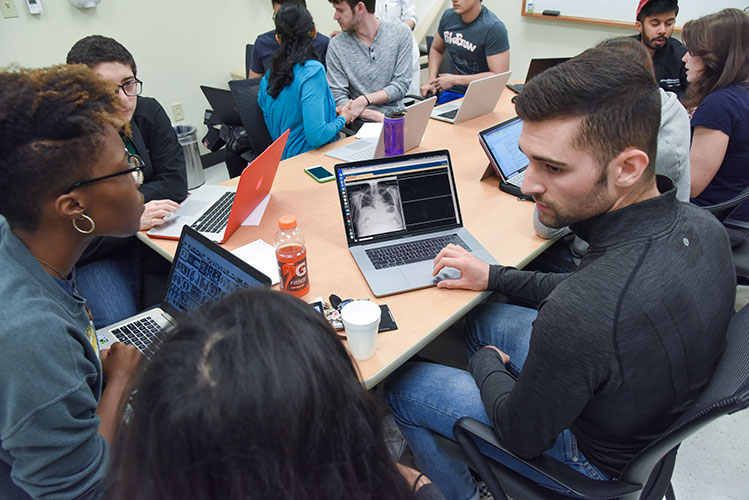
{"x": 368, "y": 63}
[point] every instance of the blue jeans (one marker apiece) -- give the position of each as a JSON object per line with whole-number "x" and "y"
{"x": 447, "y": 96}
{"x": 111, "y": 286}
{"x": 427, "y": 397}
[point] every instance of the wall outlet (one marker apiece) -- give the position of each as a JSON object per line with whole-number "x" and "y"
{"x": 8, "y": 7}
{"x": 178, "y": 113}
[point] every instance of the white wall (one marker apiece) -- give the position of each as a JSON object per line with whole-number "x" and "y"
{"x": 179, "y": 45}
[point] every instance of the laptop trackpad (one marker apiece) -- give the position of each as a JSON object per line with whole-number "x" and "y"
{"x": 191, "y": 208}
{"x": 419, "y": 274}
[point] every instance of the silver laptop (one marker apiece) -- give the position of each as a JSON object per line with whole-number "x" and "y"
{"x": 399, "y": 212}
{"x": 217, "y": 211}
{"x": 500, "y": 144}
{"x": 417, "y": 118}
{"x": 481, "y": 97}
{"x": 201, "y": 272}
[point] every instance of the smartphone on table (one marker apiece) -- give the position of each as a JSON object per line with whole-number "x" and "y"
{"x": 319, "y": 173}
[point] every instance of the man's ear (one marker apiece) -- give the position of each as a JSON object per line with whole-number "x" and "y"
{"x": 638, "y": 26}
{"x": 68, "y": 206}
{"x": 630, "y": 166}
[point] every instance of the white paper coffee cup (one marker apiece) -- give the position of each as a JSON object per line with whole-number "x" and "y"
{"x": 361, "y": 319}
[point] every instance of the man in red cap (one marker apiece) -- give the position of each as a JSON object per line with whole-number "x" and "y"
{"x": 655, "y": 22}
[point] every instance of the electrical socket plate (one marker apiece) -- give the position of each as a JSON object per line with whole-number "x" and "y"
{"x": 178, "y": 113}
{"x": 8, "y": 7}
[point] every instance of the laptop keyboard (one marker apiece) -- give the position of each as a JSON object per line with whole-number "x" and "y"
{"x": 450, "y": 114}
{"x": 413, "y": 251}
{"x": 142, "y": 333}
{"x": 215, "y": 218}
{"x": 517, "y": 179}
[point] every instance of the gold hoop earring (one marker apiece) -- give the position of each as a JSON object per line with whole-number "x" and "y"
{"x": 87, "y": 218}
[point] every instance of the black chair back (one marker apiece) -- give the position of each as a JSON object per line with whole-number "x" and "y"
{"x": 245, "y": 95}
{"x": 247, "y": 59}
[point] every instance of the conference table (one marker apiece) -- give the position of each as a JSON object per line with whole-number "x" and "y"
{"x": 501, "y": 222}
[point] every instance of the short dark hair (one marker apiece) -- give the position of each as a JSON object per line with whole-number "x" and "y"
{"x": 616, "y": 97}
{"x": 654, "y": 7}
{"x": 369, "y": 4}
{"x": 282, "y": 2}
{"x": 254, "y": 396}
{"x": 97, "y": 49}
{"x": 722, "y": 41}
{"x": 52, "y": 126}
{"x": 631, "y": 47}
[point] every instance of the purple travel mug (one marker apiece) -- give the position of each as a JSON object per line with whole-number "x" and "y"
{"x": 395, "y": 122}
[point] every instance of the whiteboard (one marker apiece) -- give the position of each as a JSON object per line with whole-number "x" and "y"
{"x": 623, "y": 11}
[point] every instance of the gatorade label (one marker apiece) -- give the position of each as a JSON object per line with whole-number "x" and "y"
{"x": 292, "y": 267}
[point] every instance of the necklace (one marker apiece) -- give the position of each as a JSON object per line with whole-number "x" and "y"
{"x": 72, "y": 284}
{"x": 62, "y": 276}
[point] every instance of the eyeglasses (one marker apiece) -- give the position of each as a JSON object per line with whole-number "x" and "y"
{"x": 136, "y": 170}
{"x": 131, "y": 87}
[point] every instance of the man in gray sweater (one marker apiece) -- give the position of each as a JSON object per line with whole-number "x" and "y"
{"x": 368, "y": 63}
{"x": 616, "y": 350}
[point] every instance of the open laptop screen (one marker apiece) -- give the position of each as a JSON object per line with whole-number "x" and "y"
{"x": 397, "y": 196}
{"x": 204, "y": 272}
{"x": 500, "y": 143}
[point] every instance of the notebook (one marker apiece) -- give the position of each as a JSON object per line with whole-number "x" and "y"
{"x": 201, "y": 272}
{"x": 536, "y": 67}
{"x": 481, "y": 97}
{"x": 217, "y": 211}
{"x": 417, "y": 118}
{"x": 399, "y": 212}
{"x": 222, "y": 103}
{"x": 500, "y": 144}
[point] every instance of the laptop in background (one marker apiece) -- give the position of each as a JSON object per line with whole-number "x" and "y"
{"x": 536, "y": 67}
{"x": 481, "y": 97}
{"x": 417, "y": 118}
{"x": 399, "y": 212}
{"x": 500, "y": 143}
{"x": 217, "y": 211}
{"x": 201, "y": 272}
{"x": 222, "y": 103}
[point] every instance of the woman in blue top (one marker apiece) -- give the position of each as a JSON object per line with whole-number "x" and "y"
{"x": 717, "y": 63}
{"x": 294, "y": 94}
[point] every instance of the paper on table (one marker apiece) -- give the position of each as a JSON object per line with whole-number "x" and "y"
{"x": 257, "y": 215}
{"x": 369, "y": 130}
{"x": 261, "y": 256}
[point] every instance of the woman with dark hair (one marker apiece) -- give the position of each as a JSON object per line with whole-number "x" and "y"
{"x": 255, "y": 397}
{"x": 66, "y": 179}
{"x": 717, "y": 62}
{"x": 294, "y": 94}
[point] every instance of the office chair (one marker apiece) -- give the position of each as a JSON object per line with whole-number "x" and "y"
{"x": 245, "y": 96}
{"x": 722, "y": 211}
{"x": 247, "y": 59}
{"x": 648, "y": 475}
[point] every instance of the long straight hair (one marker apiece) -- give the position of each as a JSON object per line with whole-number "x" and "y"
{"x": 722, "y": 41}
{"x": 254, "y": 397}
{"x": 295, "y": 28}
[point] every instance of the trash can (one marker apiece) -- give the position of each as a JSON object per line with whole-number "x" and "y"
{"x": 187, "y": 135}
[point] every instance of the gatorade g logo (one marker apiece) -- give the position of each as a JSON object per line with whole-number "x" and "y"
{"x": 294, "y": 275}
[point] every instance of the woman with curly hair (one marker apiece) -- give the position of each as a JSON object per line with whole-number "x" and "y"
{"x": 67, "y": 178}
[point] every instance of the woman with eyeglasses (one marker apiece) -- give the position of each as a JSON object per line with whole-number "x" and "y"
{"x": 294, "y": 94}
{"x": 110, "y": 270}
{"x": 66, "y": 178}
{"x": 717, "y": 63}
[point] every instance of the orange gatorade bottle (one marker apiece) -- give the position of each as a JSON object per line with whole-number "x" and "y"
{"x": 292, "y": 257}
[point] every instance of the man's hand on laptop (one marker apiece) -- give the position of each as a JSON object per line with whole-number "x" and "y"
{"x": 474, "y": 273}
{"x": 155, "y": 212}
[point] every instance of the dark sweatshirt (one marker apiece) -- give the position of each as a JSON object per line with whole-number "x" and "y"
{"x": 622, "y": 346}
